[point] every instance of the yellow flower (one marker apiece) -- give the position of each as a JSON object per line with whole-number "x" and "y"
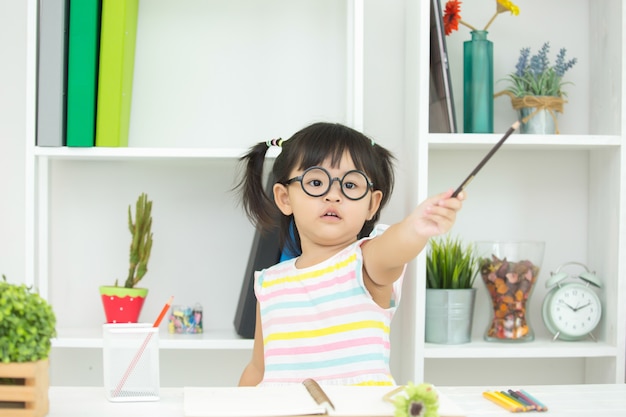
{"x": 501, "y": 7}
{"x": 506, "y": 5}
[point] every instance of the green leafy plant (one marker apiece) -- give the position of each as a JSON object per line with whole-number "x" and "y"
{"x": 141, "y": 243}
{"x": 450, "y": 264}
{"x": 27, "y": 323}
{"x": 534, "y": 76}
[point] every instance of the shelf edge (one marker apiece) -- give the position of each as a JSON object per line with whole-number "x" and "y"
{"x": 536, "y": 349}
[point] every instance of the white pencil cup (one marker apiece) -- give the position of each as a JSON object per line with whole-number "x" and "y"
{"x": 130, "y": 362}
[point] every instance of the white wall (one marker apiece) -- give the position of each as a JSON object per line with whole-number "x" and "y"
{"x": 12, "y": 132}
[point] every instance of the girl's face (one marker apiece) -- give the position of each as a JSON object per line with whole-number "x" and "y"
{"x": 331, "y": 220}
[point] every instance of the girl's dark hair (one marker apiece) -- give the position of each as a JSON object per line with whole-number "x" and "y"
{"x": 308, "y": 147}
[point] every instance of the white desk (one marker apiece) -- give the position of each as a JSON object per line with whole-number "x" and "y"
{"x": 562, "y": 401}
{"x": 91, "y": 402}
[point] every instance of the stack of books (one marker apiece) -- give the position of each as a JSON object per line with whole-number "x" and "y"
{"x": 86, "y": 60}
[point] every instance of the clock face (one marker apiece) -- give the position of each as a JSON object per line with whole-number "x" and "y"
{"x": 574, "y": 310}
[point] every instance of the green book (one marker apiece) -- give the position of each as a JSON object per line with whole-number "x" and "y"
{"x": 82, "y": 72}
{"x": 115, "y": 78}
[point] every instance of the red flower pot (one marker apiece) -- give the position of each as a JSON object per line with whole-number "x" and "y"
{"x": 122, "y": 305}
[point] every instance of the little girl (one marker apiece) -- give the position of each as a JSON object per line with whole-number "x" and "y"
{"x": 326, "y": 313}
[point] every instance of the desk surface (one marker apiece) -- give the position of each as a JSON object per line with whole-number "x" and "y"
{"x": 562, "y": 400}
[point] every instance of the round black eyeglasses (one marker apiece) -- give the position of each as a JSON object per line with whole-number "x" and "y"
{"x": 316, "y": 182}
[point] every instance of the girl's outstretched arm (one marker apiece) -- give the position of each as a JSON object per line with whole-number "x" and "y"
{"x": 385, "y": 256}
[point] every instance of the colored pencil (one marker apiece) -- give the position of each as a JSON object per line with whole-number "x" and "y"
{"x": 507, "y": 405}
{"x": 163, "y": 311}
{"x": 528, "y": 404}
{"x": 506, "y": 398}
{"x": 522, "y": 403}
{"x": 539, "y": 404}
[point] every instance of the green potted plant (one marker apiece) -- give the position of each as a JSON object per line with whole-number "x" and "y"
{"x": 122, "y": 304}
{"x": 536, "y": 89}
{"x": 451, "y": 268}
{"x": 27, "y": 325}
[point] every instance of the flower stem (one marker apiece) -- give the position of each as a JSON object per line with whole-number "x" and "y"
{"x": 467, "y": 25}
{"x": 491, "y": 20}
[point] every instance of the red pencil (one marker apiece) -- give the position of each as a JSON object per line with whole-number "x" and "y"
{"x": 163, "y": 311}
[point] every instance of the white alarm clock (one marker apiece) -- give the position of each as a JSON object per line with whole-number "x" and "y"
{"x": 572, "y": 310}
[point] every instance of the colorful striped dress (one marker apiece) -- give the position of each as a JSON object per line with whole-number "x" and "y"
{"x": 321, "y": 322}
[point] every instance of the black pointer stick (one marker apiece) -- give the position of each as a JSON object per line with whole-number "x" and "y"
{"x": 493, "y": 150}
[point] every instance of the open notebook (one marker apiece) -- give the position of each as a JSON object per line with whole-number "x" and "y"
{"x": 295, "y": 400}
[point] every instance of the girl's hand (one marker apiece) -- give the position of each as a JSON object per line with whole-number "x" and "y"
{"x": 385, "y": 256}
{"x": 436, "y": 215}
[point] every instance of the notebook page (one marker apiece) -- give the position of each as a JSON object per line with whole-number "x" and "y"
{"x": 290, "y": 400}
{"x": 294, "y": 400}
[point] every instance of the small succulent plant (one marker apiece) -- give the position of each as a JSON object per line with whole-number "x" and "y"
{"x": 141, "y": 243}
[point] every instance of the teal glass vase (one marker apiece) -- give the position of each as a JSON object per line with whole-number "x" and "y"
{"x": 478, "y": 83}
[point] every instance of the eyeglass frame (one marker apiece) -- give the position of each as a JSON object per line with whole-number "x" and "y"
{"x": 370, "y": 184}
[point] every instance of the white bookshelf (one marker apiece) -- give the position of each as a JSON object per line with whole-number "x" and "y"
{"x": 212, "y": 340}
{"x": 98, "y": 153}
{"x": 357, "y": 62}
{"x": 567, "y": 190}
{"x": 195, "y": 112}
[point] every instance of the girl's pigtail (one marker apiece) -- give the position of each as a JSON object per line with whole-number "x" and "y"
{"x": 257, "y": 203}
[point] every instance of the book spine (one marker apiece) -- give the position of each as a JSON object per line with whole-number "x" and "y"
{"x": 82, "y": 71}
{"x": 52, "y": 72}
{"x": 117, "y": 63}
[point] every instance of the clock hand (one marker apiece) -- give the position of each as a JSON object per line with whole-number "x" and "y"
{"x": 568, "y": 306}
{"x": 583, "y": 306}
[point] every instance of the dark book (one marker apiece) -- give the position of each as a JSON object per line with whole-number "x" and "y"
{"x": 442, "y": 118}
{"x": 265, "y": 252}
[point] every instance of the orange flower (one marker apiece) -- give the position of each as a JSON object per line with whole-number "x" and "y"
{"x": 451, "y": 16}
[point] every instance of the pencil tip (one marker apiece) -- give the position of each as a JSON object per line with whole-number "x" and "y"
{"x": 515, "y": 125}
